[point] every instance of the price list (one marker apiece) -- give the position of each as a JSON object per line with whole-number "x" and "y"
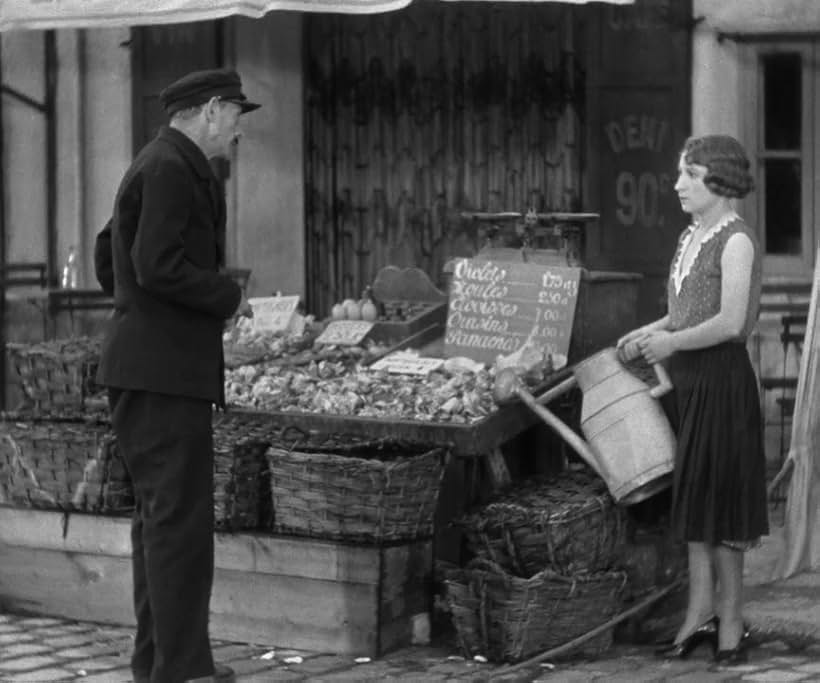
{"x": 498, "y": 307}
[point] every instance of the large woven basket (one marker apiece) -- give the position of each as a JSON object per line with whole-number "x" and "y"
{"x": 241, "y": 486}
{"x": 373, "y": 492}
{"x": 56, "y": 378}
{"x": 508, "y": 618}
{"x": 65, "y": 465}
{"x": 567, "y": 523}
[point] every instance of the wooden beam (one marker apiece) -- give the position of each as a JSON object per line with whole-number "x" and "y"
{"x": 275, "y": 590}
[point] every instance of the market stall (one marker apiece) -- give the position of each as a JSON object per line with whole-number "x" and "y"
{"x": 344, "y": 465}
{"x": 351, "y": 471}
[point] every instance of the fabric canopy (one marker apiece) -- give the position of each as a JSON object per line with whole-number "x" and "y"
{"x": 52, "y": 14}
{"x": 802, "y": 529}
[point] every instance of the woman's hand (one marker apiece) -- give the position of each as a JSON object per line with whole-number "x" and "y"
{"x": 657, "y": 346}
{"x": 628, "y": 346}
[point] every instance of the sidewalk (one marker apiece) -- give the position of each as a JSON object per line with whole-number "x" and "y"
{"x": 45, "y": 649}
{"x": 784, "y": 616}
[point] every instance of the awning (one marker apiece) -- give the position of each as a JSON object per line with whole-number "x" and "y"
{"x": 802, "y": 530}
{"x": 52, "y": 14}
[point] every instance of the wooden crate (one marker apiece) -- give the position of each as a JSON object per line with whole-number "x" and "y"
{"x": 400, "y": 288}
{"x": 391, "y": 332}
{"x": 280, "y": 591}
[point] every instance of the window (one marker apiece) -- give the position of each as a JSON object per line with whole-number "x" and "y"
{"x": 780, "y": 153}
{"x": 780, "y": 135}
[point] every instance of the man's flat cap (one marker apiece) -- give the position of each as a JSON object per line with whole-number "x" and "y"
{"x": 198, "y": 87}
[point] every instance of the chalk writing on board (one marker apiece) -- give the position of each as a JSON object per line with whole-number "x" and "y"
{"x": 497, "y": 307}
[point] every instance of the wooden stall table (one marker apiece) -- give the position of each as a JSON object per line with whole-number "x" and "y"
{"x": 478, "y": 465}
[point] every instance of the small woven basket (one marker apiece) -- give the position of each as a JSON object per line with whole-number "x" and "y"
{"x": 241, "y": 487}
{"x": 507, "y": 618}
{"x": 568, "y": 523}
{"x": 56, "y": 378}
{"x": 65, "y": 465}
{"x": 371, "y": 492}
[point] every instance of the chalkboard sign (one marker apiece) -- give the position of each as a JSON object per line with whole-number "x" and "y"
{"x": 497, "y": 307}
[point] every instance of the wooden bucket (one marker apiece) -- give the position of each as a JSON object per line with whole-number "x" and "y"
{"x": 625, "y": 427}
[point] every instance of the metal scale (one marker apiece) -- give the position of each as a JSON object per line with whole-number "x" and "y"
{"x": 553, "y": 239}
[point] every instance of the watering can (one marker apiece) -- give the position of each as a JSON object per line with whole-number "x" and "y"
{"x": 629, "y": 441}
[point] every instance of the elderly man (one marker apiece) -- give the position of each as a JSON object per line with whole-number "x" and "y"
{"x": 162, "y": 363}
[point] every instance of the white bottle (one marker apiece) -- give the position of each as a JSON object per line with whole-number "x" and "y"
{"x": 70, "y": 271}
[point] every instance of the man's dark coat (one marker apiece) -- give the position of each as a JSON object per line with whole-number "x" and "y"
{"x": 159, "y": 255}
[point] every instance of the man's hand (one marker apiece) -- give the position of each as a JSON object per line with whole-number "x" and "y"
{"x": 244, "y": 310}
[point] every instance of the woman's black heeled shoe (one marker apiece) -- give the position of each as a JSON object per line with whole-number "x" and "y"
{"x": 737, "y": 655}
{"x": 745, "y": 634}
{"x": 705, "y": 633}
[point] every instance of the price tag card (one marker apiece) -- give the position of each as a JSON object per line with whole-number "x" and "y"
{"x": 273, "y": 313}
{"x": 345, "y": 332}
{"x": 408, "y": 364}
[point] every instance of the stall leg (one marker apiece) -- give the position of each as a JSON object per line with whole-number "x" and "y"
{"x": 498, "y": 470}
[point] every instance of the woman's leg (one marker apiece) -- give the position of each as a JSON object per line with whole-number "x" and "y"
{"x": 729, "y": 565}
{"x": 701, "y": 590}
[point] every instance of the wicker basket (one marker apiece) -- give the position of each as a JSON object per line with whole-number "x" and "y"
{"x": 508, "y": 618}
{"x": 373, "y": 492}
{"x": 568, "y": 524}
{"x": 57, "y": 377}
{"x": 241, "y": 488}
{"x": 65, "y": 465}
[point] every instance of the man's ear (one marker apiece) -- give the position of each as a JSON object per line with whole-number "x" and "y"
{"x": 210, "y": 108}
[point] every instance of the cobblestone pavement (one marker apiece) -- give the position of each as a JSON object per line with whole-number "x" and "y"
{"x": 46, "y": 649}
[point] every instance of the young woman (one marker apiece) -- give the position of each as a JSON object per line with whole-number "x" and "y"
{"x": 719, "y": 487}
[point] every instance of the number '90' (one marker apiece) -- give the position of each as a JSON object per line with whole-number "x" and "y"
{"x": 638, "y": 198}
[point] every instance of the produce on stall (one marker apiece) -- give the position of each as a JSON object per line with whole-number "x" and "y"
{"x": 335, "y": 388}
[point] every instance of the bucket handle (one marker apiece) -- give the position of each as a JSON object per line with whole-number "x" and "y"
{"x": 664, "y": 385}
{"x": 576, "y": 442}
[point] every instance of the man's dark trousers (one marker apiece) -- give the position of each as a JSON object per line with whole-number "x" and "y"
{"x": 167, "y": 444}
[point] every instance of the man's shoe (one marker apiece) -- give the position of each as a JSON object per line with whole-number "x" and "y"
{"x": 222, "y": 674}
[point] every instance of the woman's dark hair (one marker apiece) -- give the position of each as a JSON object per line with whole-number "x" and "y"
{"x": 724, "y": 157}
